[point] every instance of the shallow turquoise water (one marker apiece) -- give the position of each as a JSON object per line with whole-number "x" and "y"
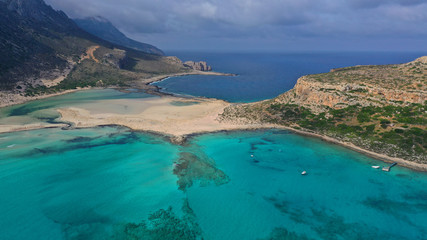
{"x": 93, "y": 183}
{"x": 342, "y": 197}
{"x": 43, "y": 110}
{"x": 64, "y": 184}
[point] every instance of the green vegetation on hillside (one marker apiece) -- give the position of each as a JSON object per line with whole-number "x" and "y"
{"x": 394, "y": 130}
{"x": 88, "y": 73}
{"x": 409, "y": 76}
{"x": 403, "y": 127}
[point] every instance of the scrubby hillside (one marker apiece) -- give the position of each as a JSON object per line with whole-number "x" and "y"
{"x": 44, "y": 51}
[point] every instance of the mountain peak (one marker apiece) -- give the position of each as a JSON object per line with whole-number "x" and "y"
{"x": 42, "y": 13}
{"x": 100, "y": 19}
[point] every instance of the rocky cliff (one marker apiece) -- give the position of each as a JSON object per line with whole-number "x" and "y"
{"x": 200, "y": 66}
{"x": 361, "y": 85}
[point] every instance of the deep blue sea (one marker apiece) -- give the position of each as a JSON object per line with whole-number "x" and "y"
{"x": 112, "y": 183}
{"x": 266, "y": 75}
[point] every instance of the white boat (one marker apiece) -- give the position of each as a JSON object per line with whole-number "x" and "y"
{"x": 252, "y": 155}
{"x": 303, "y": 173}
{"x": 376, "y": 167}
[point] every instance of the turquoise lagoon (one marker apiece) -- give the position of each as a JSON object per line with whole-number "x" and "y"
{"x": 113, "y": 183}
{"x": 97, "y": 100}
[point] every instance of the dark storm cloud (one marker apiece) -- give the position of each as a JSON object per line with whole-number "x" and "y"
{"x": 170, "y": 15}
{"x": 254, "y": 20}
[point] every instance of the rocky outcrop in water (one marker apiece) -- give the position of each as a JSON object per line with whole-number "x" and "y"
{"x": 200, "y": 66}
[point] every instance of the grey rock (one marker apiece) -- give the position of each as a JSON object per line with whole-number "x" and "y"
{"x": 200, "y": 66}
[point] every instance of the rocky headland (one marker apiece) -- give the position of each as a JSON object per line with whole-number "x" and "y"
{"x": 361, "y": 85}
{"x": 382, "y": 109}
{"x": 199, "y": 66}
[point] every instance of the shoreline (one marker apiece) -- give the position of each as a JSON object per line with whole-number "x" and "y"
{"x": 180, "y": 137}
{"x": 16, "y": 98}
{"x": 182, "y": 129}
{"x": 22, "y": 99}
{"x": 148, "y": 87}
{"x": 160, "y": 78}
{"x": 377, "y": 156}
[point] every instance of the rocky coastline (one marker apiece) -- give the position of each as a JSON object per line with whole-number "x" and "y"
{"x": 212, "y": 115}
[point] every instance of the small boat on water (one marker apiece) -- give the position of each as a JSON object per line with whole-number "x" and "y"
{"x": 303, "y": 173}
{"x": 376, "y": 167}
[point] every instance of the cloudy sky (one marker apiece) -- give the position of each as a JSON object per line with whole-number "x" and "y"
{"x": 257, "y": 25}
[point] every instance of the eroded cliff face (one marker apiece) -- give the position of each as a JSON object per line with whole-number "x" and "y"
{"x": 316, "y": 95}
{"x": 363, "y": 85}
{"x": 200, "y": 66}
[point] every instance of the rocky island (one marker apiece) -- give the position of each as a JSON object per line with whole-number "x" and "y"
{"x": 201, "y": 66}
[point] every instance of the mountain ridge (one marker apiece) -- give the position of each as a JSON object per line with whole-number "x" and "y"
{"x": 103, "y": 28}
{"x": 40, "y": 45}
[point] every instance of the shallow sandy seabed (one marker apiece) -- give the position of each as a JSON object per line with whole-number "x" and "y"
{"x": 162, "y": 115}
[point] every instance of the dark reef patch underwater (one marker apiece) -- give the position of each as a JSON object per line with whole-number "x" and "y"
{"x": 112, "y": 183}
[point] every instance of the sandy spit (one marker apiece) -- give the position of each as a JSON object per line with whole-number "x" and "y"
{"x": 176, "y": 122}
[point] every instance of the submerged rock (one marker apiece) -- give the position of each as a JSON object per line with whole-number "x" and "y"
{"x": 162, "y": 224}
{"x": 192, "y": 167}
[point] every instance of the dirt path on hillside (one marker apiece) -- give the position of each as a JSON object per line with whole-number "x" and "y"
{"x": 89, "y": 54}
